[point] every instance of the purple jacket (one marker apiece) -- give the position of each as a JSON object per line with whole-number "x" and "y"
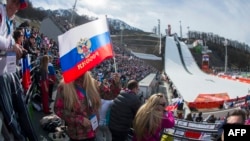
{"x": 167, "y": 122}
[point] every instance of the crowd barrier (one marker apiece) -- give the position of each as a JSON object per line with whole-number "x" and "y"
{"x": 240, "y": 79}
{"x": 33, "y": 86}
{"x": 192, "y": 131}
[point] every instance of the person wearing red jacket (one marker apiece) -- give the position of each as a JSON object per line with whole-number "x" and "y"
{"x": 44, "y": 83}
{"x": 115, "y": 86}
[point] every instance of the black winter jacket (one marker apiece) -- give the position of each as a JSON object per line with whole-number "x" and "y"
{"x": 123, "y": 111}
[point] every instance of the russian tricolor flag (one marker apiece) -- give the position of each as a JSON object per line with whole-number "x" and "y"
{"x": 84, "y": 47}
{"x": 26, "y": 80}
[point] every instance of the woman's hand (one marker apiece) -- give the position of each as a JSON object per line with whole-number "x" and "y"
{"x": 86, "y": 122}
{"x": 50, "y": 80}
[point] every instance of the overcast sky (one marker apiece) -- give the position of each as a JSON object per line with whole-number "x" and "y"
{"x": 226, "y": 18}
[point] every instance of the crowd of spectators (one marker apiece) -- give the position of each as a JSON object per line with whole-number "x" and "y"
{"x": 128, "y": 66}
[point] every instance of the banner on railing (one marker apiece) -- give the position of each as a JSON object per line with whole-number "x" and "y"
{"x": 198, "y": 125}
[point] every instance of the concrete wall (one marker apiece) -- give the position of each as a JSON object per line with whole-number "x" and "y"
{"x": 50, "y": 29}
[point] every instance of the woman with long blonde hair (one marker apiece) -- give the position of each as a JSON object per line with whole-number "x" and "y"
{"x": 76, "y": 103}
{"x": 44, "y": 83}
{"x": 152, "y": 118}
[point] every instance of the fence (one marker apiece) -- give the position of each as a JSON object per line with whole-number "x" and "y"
{"x": 192, "y": 131}
{"x": 33, "y": 86}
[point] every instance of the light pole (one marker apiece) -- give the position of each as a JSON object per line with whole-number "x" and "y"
{"x": 160, "y": 45}
{"x": 72, "y": 14}
{"x": 159, "y": 27}
{"x": 121, "y": 28}
{"x": 188, "y": 35}
{"x": 225, "y": 43}
{"x": 159, "y": 34}
{"x": 180, "y": 30}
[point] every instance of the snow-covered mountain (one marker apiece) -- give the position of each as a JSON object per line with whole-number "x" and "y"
{"x": 116, "y": 24}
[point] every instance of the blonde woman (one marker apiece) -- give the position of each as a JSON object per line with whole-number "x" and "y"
{"x": 52, "y": 76}
{"x": 151, "y": 118}
{"x": 77, "y": 103}
{"x": 44, "y": 83}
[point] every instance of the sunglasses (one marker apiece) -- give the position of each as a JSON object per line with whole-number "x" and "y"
{"x": 159, "y": 95}
{"x": 233, "y": 124}
{"x": 163, "y": 104}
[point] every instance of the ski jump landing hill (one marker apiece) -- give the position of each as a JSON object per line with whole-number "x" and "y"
{"x": 199, "y": 89}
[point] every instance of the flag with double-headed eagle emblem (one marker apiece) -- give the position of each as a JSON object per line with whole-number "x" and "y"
{"x": 83, "y": 47}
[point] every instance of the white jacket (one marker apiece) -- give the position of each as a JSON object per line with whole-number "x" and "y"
{"x": 6, "y": 39}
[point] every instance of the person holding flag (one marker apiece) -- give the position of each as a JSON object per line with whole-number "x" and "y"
{"x": 78, "y": 103}
{"x": 78, "y": 98}
{"x": 18, "y": 36}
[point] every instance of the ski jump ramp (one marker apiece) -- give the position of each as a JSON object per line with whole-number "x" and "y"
{"x": 189, "y": 80}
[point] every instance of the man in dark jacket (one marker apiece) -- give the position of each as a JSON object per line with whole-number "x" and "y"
{"x": 123, "y": 111}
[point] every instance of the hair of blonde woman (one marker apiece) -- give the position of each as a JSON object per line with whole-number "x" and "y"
{"x": 88, "y": 83}
{"x": 50, "y": 58}
{"x": 44, "y": 62}
{"x": 148, "y": 117}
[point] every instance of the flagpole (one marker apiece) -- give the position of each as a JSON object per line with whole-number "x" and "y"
{"x": 160, "y": 45}
{"x": 106, "y": 16}
{"x": 115, "y": 65}
{"x": 72, "y": 13}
